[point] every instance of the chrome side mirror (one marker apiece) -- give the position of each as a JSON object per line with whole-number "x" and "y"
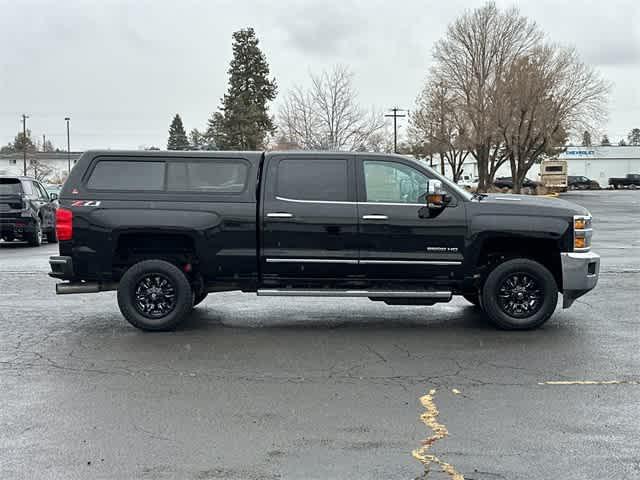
{"x": 435, "y": 196}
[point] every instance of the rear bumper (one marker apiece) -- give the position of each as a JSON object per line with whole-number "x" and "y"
{"x": 61, "y": 267}
{"x": 579, "y": 275}
{"x": 16, "y": 227}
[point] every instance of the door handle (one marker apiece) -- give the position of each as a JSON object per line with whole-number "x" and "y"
{"x": 375, "y": 217}
{"x": 280, "y": 215}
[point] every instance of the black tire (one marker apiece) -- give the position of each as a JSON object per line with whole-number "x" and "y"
{"x": 199, "y": 298}
{"x": 35, "y": 238}
{"x": 519, "y": 294}
{"x": 172, "y": 295}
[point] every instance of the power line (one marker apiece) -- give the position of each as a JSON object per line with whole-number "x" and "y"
{"x": 395, "y": 116}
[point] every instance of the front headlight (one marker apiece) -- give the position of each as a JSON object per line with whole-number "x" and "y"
{"x": 582, "y": 233}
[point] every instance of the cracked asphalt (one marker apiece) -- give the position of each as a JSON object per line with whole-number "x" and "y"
{"x": 258, "y": 388}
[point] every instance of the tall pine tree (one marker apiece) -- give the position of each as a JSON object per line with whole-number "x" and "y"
{"x": 177, "y": 135}
{"x": 243, "y": 122}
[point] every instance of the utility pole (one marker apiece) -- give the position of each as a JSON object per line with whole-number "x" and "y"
{"x": 395, "y": 116}
{"x": 44, "y": 140}
{"x": 68, "y": 146}
{"x": 24, "y": 143}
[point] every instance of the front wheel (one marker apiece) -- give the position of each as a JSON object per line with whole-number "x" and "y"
{"x": 154, "y": 295}
{"x": 519, "y": 294}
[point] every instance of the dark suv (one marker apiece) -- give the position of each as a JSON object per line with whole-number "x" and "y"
{"x": 27, "y": 211}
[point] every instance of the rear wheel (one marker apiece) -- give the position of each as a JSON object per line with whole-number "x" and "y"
{"x": 519, "y": 294}
{"x": 154, "y": 295}
{"x": 35, "y": 238}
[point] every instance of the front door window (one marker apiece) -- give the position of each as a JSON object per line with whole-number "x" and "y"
{"x": 391, "y": 182}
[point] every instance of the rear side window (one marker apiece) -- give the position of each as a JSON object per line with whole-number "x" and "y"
{"x": 321, "y": 179}
{"x": 207, "y": 176}
{"x": 10, "y": 186}
{"x": 127, "y": 175}
{"x": 27, "y": 187}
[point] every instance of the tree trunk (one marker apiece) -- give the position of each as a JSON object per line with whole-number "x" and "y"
{"x": 482, "y": 158}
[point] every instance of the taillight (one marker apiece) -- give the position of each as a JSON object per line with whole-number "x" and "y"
{"x": 64, "y": 224}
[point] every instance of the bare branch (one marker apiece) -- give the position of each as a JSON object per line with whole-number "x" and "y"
{"x": 327, "y": 115}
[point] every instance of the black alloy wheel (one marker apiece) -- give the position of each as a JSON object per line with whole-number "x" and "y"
{"x": 155, "y": 296}
{"x": 520, "y": 295}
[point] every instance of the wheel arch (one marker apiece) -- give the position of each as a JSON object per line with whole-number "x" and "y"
{"x": 495, "y": 249}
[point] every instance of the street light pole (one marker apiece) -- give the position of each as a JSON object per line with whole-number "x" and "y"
{"x": 68, "y": 146}
{"x": 24, "y": 143}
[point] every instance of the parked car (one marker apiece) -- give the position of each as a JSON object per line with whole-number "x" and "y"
{"x": 469, "y": 182}
{"x": 507, "y": 182}
{"x": 578, "y": 182}
{"x": 53, "y": 190}
{"x": 631, "y": 180}
{"x": 27, "y": 212}
{"x": 166, "y": 228}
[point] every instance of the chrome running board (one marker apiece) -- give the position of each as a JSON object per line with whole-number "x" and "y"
{"x": 290, "y": 292}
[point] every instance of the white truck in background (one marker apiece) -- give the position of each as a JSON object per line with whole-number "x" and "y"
{"x": 553, "y": 175}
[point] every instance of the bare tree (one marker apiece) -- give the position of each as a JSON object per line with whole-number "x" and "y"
{"x": 514, "y": 99}
{"x": 438, "y": 125}
{"x": 327, "y": 116}
{"x": 476, "y": 50}
{"x": 545, "y": 95}
{"x": 41, "y": 170}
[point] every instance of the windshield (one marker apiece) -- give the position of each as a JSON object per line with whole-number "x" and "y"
{"x": 10, "y": 186}
{"x": 448, "y": 184}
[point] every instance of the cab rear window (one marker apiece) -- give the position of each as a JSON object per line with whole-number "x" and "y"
{"x": 127, "y": 175}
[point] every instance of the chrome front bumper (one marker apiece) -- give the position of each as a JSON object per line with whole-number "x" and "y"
{"x": 579, "y": 274}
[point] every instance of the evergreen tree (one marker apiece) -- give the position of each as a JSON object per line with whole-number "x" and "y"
{"x": 177, "y": 135}
{"x": 622, "y": 143}
{"x": 586, "y": 139}
{"x": 605, "y": 142}
{"x": 634, "y": 137}
{"x": 243, "y": 122}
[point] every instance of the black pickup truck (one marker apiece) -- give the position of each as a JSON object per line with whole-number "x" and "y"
{"x": 164, "y": 229}
{"x": 631, "y": 180}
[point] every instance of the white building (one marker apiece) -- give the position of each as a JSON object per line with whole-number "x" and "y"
{"x": 598, "y": 163}
{"x": 56, "y": 162}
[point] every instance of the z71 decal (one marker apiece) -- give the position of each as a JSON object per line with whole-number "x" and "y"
{"x": 85, "y": 203}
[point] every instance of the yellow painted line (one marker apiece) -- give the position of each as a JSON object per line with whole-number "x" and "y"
{"x": 591, "y": 382}
{"x": 430, "y": 419}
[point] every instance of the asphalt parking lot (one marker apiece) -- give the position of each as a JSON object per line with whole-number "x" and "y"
{"x": 255, "y": 388}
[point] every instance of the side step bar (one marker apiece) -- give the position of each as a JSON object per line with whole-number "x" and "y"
{"x": 290, "y": 292}
{"x": 67, "y": 288}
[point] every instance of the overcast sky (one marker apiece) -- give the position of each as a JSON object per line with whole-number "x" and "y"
{"x": 122, "y": 69}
